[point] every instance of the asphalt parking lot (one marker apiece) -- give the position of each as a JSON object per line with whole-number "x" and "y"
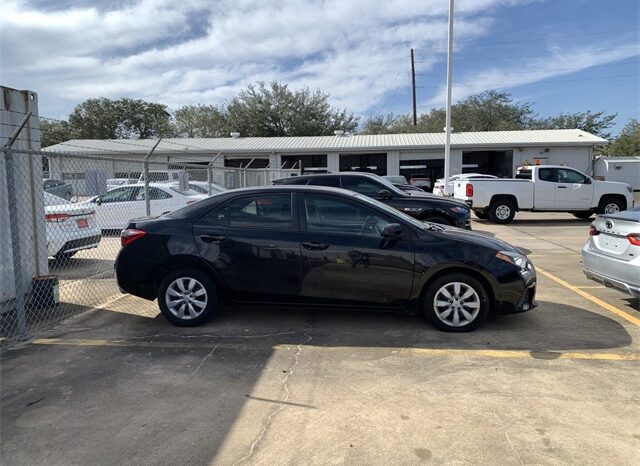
{"x": 558, "y": 385}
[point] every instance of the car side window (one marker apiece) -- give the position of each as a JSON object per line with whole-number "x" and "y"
{"x": 273, "y": 211}
{"x": 362, "y": 186}
{"x": 327, "y": 214}
{"x": 154, "y": 194}
{"x": 126, "y": 194}
{"x": 547, "y": 174}
{"x": 570, "y": 176}
{"x": 332, "y": 181}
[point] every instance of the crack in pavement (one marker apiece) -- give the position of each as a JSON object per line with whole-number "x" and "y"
{"x": 285, "y": 398}
{"x": 203, "y": 361}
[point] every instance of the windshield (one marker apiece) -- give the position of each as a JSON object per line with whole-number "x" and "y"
{"x": 391, "y": 187}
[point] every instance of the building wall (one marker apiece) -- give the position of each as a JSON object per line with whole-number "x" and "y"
{"x": 575, "y": 157}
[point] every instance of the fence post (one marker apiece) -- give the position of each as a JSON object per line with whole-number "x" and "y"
{"x": 16, "y": 253}
{"x": 210, "y": 172}
{"x": 145, "y": 168}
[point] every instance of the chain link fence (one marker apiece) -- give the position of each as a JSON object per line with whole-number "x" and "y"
{"x": 62, "y": 216}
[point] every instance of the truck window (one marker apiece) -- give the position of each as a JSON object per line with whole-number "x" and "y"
{"x": 570, "y": 176}
{"x": 523, "y": 175}
{"x": 547, "y": 174}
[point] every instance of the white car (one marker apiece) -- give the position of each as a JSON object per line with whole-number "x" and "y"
{"x": 116, "y": 182}
{"x": 202, "y": 187}
{"x": 116, "y": 207}
{"x": 438, "y": 188}
{"x": 70, "y": 227}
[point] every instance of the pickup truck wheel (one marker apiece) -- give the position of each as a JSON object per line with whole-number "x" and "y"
{"x": 502, "y": 211}
{"x": 610, "y": 205}
{"x": 584, "y": 214}
{"x": 481, "y": 215}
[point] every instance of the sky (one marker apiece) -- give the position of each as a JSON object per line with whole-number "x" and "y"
{"x": 560, "y": 55}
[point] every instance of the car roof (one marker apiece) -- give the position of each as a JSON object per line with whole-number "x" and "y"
{"x": 291, "y": 187}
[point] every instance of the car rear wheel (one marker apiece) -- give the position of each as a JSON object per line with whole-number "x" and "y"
{"x": 187, "y": 297}
{"x": 610, "y": 205}
{"x": 584, "y": 214}
{"x": 502, "y": 211}
{"x": 456, "y": 303}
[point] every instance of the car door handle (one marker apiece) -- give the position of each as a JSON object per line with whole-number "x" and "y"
{"x": 562, "y": 187}
{"x": 212, "y": 238}
{"x": 314, "y": 246}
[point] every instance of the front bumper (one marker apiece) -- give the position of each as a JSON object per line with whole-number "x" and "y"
{"x": 518, "y": 295}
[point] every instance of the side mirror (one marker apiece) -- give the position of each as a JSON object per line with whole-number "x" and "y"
{"x": 587, "y": 181}
{"x": 392, "y": 231}
{"x": 384, "y": 194}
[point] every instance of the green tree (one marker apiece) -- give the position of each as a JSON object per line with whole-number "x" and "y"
{"x": 628, "y": 141}
{"x": 276, "y": 110}
{"x": 104, "y": 118}
{"x": 201, "y": 121}
{"x": 54, "y": 132}
{"x": 597, "y": 123}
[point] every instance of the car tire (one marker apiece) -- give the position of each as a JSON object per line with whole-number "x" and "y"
{"x": 583, "y": 214}
{"x": 610, "y": 205}
{"x": 195, "y": 297}
{"x": 444, "y": 307}
{"x": 437, "y": 219}
{"x": 481, "y": 215}
{"x": 502, "y": 211}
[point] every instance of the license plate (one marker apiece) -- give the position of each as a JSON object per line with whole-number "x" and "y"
{"x": 82, "y": 223}
{"x": 610, "y": 242}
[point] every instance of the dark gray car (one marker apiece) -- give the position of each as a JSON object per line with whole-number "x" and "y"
{"x": 58, "y": 188}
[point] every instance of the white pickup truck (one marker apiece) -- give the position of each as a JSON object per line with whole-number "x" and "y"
{"x": 543, "y": 188}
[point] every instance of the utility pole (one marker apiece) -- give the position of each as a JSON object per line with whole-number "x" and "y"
{"x": 447, "y": 129}
{"x": 413, "y": 89}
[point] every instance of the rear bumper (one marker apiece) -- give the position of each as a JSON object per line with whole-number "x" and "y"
{"x": 612, "y": 272}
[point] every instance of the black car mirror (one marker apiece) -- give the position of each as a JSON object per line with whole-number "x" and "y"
{"x": 384, "y": 194}
{"x": 392, "y": 231}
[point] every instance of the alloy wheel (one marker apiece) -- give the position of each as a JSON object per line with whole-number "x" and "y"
{"x": 456, "y": 304}
{"x": 186, "y": 298}
{"x": 503, "y": 212}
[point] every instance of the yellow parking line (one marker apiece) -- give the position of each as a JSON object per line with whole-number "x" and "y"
{"x": 594, "y": 287}
{"x": 431, "y": 352}
{"x": 614, "y": 310}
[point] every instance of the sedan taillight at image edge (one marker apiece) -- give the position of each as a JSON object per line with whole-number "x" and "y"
{"x": 129, "y": 235}
{"x": 634, "y": 238}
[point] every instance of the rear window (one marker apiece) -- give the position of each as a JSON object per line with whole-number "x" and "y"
{"x": 524, "y": 175}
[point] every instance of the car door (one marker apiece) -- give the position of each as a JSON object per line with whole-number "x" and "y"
{"x": 345, "y": 261}
{"x": 252, "y": 242}
{"x": 545, "y": 189}
{"x": 160, "y": 202}
{"x": 574, "y": 190}
{"x": 115, "y": 208}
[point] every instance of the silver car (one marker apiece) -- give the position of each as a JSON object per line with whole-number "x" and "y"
{"x": 612, "y": 254}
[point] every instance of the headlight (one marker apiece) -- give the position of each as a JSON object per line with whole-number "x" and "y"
{"x": 413, "y": 210}
{"x": 513, "y": 258}
{"x": 459, "y": 210}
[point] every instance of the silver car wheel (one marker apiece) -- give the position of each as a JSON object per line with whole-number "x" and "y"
{"x": 611, "y": 208}
{"x": 456, "y": 304}
{"x": 186, "y": 298}
{"x": 503, "y": 212}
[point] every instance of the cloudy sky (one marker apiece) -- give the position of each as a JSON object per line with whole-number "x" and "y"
{"x": 568, "y": 55}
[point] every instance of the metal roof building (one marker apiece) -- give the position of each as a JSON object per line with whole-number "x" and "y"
{"x": 496, "y": 152}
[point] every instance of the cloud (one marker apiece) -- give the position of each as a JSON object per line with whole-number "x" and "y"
{"x": 198, "y": 51}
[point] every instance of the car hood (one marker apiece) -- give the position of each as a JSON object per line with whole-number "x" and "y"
{"x": 479, "y": 239}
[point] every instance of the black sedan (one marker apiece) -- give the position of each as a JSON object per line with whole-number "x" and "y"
{"x": 319, "y": 247}
{"x": 426, "y": 207}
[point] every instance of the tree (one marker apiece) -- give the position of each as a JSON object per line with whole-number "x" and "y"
{"x": 54, "y": 132}
{"x": 275, "y": 110}
{"x": 628, "y": 141}
{"x": 104, "y": 118}
{"x": 201, "y": 121}
{"x": 487, "y": 111}
{"x": 597, "y": 123}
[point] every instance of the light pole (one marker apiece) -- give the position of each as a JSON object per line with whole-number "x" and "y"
{"x": 447, "y": 129}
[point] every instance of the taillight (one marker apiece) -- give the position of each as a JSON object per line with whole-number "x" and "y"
{"x": 593, "y": 231}
{"x": 129, "y": 235}
{"x": 469, "y": 190}
{"x": 634, "y": 238}
{"x": 56, "y": 217}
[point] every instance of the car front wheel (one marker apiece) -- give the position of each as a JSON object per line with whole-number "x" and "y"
{"x": 456, "y": 303}
{"x": 187, "y": 297}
